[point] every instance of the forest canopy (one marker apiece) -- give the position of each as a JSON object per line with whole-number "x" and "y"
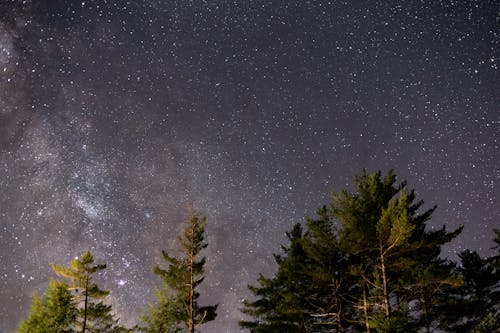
{"x": 368, "y": 262}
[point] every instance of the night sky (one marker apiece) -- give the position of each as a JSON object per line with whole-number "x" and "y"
{"x": 117, "y": 116}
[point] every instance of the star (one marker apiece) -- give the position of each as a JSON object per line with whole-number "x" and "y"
{"x": 117, "y": 117}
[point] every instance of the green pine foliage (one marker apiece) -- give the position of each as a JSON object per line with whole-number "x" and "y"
{"x": 384, "y": 235}
{"x": 36, "y": 318}
{"x": 165, "y": 316}
{"x": 177, "y": 308}
{"x": 93, "y": 314}
{"x": 281, "y": 304}
{"x": 54, "y": 312}
{"x": 366, "y": 264}
{"x": 328, "y": 273}
{"x": 471, "y": 307}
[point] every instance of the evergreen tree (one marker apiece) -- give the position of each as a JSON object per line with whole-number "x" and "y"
{"x": 55, "y": 312}
{"x": 385, "y": 238}
{"x": 177, "y": 306}
{"x": 368, "y": 263}
{"x": 328, "y": 275}
{"x": 281, "y": 304}
{"x": 36, "y": 318}
{"x": 93, "y": 315}
{"x": 471, "y": 305}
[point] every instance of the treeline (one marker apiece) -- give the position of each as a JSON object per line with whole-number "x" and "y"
{"x": 367, "y": 263}
{"x": 75, "y": 303}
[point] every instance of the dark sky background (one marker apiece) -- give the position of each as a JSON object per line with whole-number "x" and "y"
{"x": 116, "y": 116}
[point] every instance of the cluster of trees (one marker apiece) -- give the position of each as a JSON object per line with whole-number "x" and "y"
{"x": 77, "y": 304}
{"x": 366, "y": 263}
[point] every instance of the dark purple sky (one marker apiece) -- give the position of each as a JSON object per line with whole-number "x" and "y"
{"x": 116, "y": 116}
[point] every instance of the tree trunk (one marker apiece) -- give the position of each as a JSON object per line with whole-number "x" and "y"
{"x": 365, "y": 310}
{"x": 191, "y": 287}
{"x": 384, "y": 283}
{"x": 84, "y": 326}
{"x": 338, "y": 306}
{"x": 424, "y": 309}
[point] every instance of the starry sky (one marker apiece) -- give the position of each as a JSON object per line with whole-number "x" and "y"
{"x": 117, "y": 116}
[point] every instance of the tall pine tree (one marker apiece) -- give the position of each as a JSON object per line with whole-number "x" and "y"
{"x": 368, "y": 263}
{"x": 93, "y": 314}
{"x": 177, "y": 306}
{"x": 384, "y": 235}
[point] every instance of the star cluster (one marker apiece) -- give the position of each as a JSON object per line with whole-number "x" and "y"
{"x": 117, "y": 116}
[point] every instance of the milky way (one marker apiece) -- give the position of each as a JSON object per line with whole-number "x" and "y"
{"x": 117, "y": 116}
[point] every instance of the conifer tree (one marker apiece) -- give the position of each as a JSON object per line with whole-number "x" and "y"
{"x": 54, "y": 312}
{"x": 93, "y": 315}
{"x": 361, "y": 265}
{"x": 385, "y": 237}
{"x": 280, "y": 304}
{"x": 471, "y": 306}
{"x": 36, "y": 321}
{"x": 328, "y": 275}
{"x": 177, "y": 306}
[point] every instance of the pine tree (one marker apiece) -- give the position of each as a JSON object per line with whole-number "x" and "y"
{"x": 177, "y": 306}
{"x": 385, "y": 238}
{"x": 281, "y": 304}
{"x": 367, "y": 263}
{"x": 475, "y": 306}
{"x": 375, "y": 225}
{"x": 36, "y": 321}
{"x": 93, "y": 315}
{"x": 328, "y": 274}
{"x": 469, "y": 306}
{"x": 54, "y": 312}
